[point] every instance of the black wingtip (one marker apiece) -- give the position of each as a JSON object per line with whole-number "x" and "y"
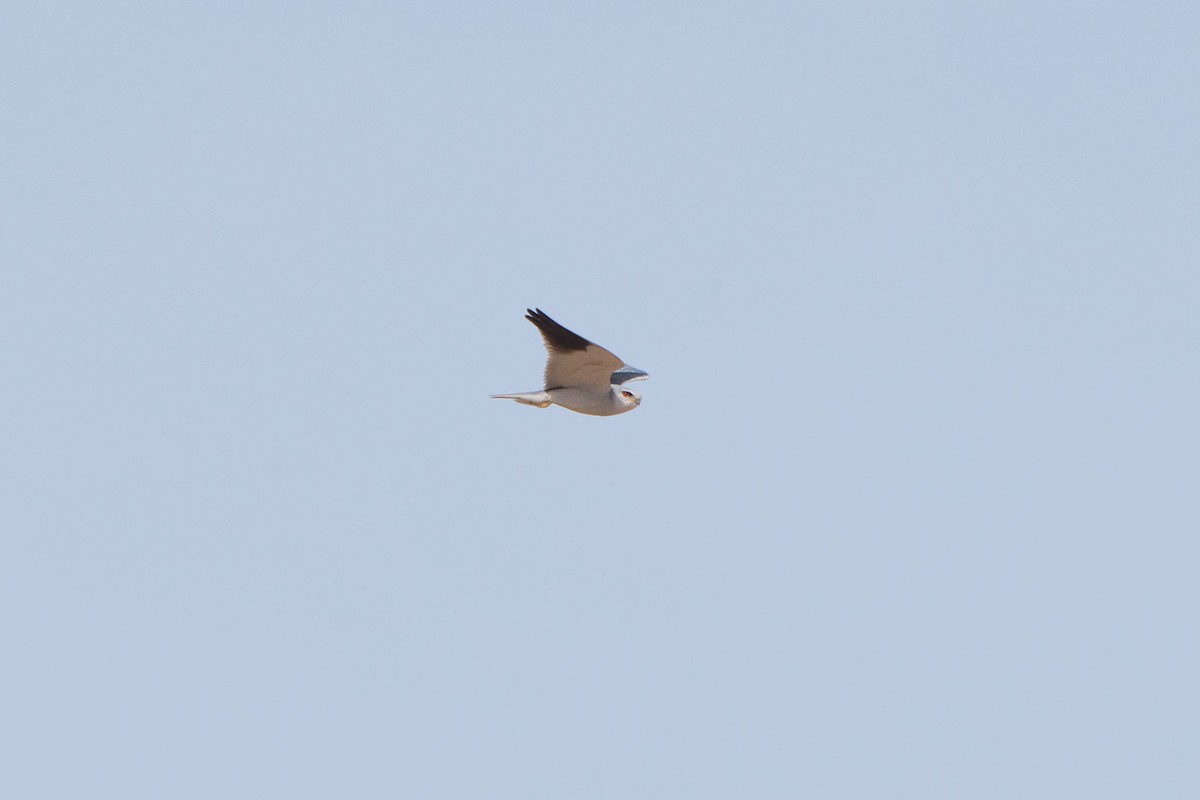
{"x": 556, "y": 336}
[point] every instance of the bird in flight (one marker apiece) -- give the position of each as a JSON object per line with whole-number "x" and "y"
{"x": 580, "y": 376}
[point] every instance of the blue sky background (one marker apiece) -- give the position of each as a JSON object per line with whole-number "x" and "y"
{"x": 909, "y": 508}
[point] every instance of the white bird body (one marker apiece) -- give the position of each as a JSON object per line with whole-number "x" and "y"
{"x": 580, "y": 376}
{"x": 614, "y": 401}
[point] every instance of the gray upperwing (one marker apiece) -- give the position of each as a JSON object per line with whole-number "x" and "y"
{"x": 628, "y": 373}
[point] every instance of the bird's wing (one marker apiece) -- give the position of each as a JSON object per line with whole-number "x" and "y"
{"x": 627, "y": 373}
{"x": 572, "y": 360}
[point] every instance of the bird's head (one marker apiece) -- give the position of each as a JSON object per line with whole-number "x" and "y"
{"x": 627, "y": 397}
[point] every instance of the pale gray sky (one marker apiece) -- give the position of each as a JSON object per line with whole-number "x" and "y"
{"x": 908, "y": 510}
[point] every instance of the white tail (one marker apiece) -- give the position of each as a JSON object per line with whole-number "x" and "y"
{"x": 539, "y": 399}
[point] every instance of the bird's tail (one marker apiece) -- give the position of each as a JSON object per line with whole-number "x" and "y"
{"x": 539, "y": 399}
